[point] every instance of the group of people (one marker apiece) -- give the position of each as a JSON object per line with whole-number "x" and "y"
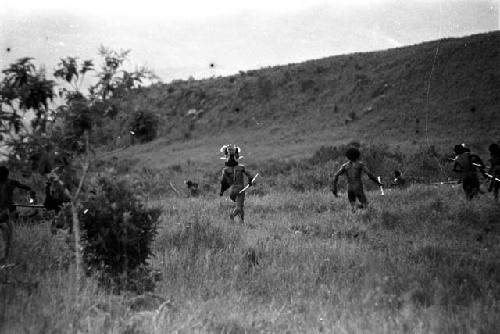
{"x": 466, "y": 165}
{"x": 58, "y": 181}
{"x": 233, "y": 178}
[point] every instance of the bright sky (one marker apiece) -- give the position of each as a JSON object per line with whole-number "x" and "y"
{"x": 182, "y": 38}
{"x": 176, "y": 9}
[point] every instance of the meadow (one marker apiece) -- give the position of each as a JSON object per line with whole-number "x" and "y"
{"x": 418, "y": 260}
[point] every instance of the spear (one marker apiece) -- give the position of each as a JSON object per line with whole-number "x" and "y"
{"x": 40, "y": 206}
{"x": 248, "y": 185}
{"x": 381, "y": 187}
{"x": 445, "y": 182}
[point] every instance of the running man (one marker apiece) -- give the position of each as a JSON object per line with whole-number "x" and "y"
{"x": 354, "y": 170}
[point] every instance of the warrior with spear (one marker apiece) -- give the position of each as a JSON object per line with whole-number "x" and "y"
{"x": 233, "y": 179}
{"x": 7, "y": 208}
{"x": 467, "y": 164}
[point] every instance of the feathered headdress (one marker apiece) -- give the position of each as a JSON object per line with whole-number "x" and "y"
{"x": 229, "y": 150}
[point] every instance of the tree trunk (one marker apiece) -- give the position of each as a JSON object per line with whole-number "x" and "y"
{"x": 78, "y": 246}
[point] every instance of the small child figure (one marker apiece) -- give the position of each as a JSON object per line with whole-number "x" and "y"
{"x": 354, "y": 169}
{"x": 399, "y": 181}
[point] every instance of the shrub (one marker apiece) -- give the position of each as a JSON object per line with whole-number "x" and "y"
{"x": 117, "y": 230}
{"x": 144, "y": 124}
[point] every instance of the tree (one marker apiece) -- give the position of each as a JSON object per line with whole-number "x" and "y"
{"x": 73, "y": 74}
{"x": 24, "y": 89}
{"x": 72, "y": 124}
{"x": 113, "y": 82}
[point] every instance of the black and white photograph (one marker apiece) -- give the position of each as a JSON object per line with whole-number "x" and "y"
{"x": 249, "y": 166}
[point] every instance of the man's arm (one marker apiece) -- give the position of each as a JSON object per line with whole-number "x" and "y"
{"x": 457, "y": 168}
{"x": 371, "y": 176}
{"x": 477, "y": 162}
{"x": 336, "y": 180}
{"x": 224, "y": 184}
{"x": 250, "y": 177}
{"x": 19, "y": 185}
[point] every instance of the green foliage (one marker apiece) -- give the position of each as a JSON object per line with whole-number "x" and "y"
{"x": 69, "y": 134}
{"x": 70, "y": 71}
{"x": 24, "y": 88}
{"x": 114, "y": 82}
{"x": 118, "y": 229}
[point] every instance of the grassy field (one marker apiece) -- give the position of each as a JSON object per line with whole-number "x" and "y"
{"x": 421, "y": 260}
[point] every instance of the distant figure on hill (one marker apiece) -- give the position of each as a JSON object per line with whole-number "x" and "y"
{"x": 233, "y": 178}
{"x": 354, "y": 170}
{"x": 192, "y": 187}
{"x": 399, "y": 181}
{"x": 467, "y": 164}
{"x": 7, "y": 209}
{"x": 494, "y": 169}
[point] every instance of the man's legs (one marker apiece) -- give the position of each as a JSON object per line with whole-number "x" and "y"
{"x": 496, "y": 188}
{"x": 6, "y": 228}
{"x": 471, "y": 187}
{"x": 239, "y": 209}
{"x": 351, "y": 196}
{"x": 362, "y": 199}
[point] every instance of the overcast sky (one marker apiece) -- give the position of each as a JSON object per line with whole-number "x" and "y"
{"x": 181, "y": 38}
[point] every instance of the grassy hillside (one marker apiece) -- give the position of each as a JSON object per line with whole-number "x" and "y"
{"x": 433, "y": 94}
{"x": 442, "y": 91}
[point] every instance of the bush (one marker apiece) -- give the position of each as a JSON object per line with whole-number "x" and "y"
{"x": 144, "y": 124}
{"x": 117, "y": 230}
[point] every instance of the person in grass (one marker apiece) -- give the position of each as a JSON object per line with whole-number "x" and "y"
{"x": 354, "y": 169}
{"x": 399, "y": 181}
{"x": 232, "y": 178}
{"x": 494, "y": 169}
{"x": 7, "y": 209}
{"x": 467, "y": 165}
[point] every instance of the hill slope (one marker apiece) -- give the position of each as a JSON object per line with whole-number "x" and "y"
{"x": 435, "y": 93}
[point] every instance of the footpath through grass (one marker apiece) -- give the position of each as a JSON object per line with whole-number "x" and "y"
{"x": 422, "y": 260}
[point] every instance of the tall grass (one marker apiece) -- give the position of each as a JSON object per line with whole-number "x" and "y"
{"x": 422, "y": 260}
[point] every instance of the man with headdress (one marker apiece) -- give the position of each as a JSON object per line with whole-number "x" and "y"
{"x": 232, "y": 178}
{"x": 494, "y": 169}
{"x": 467, "y": 164}
{"x": 7, "y": 187}
{"x": 354, "y": 170}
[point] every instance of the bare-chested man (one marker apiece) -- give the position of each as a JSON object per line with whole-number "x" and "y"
{"x": 354, "y": 170}
{"x": 7, "y": 187}
{"x": 233, "y": 178}
{"x": 467, "y": 165}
